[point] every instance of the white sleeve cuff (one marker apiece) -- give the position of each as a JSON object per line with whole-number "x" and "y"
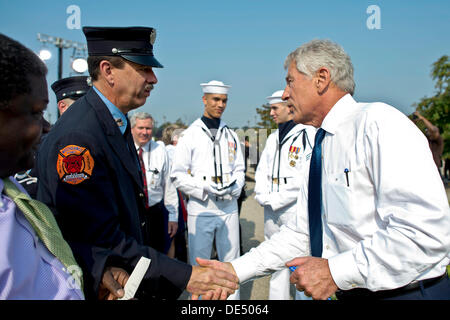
{"x": 261, "y": 198}
{"x": 345, "y": 272}
{"x": 173, "y": 216}
{"x": 244, "y": 268}
{"x": 271, "y": 255}
{"x": 199, "y": 192}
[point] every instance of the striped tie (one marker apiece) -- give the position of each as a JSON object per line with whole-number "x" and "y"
{"x": 144, "y": 178}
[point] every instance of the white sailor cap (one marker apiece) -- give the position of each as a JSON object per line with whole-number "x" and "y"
{"x": 276, "y": 97}
{"x": 215, "y": 86}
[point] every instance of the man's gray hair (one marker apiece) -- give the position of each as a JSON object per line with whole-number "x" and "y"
{"x": 317, "y": 53}
{"x": 140, "y": 116}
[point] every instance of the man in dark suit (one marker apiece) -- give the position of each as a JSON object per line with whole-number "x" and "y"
{"x": 90, "y": 175}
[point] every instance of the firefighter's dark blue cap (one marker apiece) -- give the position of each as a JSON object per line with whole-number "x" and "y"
{"x": 131, "y": 43}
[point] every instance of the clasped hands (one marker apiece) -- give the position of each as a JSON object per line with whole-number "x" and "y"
{"x": 229, "y": 189}
{"x": 212, "y": 280}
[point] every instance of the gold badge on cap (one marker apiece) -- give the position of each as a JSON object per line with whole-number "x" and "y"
{"x": 153, "y": 36}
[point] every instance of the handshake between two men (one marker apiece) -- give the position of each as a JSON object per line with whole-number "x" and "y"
{"x": 212, "y": 280}
{"x": 215, "y": 280}
{"x": 312, "y": 276}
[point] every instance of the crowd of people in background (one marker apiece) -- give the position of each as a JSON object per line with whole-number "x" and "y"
{"x": 84, "y": 200}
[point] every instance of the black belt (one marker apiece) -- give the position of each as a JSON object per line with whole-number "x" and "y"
{"x": 361, "y": 293}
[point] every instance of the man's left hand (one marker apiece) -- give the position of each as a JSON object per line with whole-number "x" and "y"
{"x": 313, "y": 276}
{"x": 172, "y": 229}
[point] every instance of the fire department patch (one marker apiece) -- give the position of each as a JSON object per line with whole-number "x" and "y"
{"x": 74, "y": 164}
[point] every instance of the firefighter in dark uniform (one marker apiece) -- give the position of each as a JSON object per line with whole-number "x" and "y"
{"x": 70, "y": 89}
{"x": 89, "y": 173}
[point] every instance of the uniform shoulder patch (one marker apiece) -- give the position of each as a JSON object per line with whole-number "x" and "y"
{"x": 74, "y": 164}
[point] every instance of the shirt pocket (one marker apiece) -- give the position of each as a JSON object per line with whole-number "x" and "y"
{"x": 155, "y": 180}
{"x": 339, "y": 198}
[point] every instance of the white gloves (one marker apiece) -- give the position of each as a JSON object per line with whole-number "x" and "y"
{"x": 213, "y": 189}
{"x": 263, "y": 199}
{"x": 235, "y": 191}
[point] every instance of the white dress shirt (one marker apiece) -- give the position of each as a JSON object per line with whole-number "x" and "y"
{"x": 157, "y": 173}
{"x": 385, "y": 226}
{"x": 28, "y": 270}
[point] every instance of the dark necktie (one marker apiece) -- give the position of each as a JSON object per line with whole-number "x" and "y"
{"x": 315, "y": 196}
{"x": 144, "y": 178}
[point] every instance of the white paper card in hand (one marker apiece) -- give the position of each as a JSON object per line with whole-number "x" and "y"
{"x": 135, "y": 279}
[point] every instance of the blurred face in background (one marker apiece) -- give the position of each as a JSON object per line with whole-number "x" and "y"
{"x": 142, "y": 131}
{"x": 280, "y": 112}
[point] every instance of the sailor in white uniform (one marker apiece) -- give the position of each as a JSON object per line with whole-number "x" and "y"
{"x": 284, "y": 160}
{"x": 209, "y": 167}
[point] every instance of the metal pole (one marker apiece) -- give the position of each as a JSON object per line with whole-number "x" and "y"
{"x": 60, "y": 60}
{"x": 61, "y": 44}
{"x": 60, "y": 67}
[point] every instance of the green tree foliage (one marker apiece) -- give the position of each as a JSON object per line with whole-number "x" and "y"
{"x": 436, "y": 108}
{"x": 157, "y": 131}
{"x": 266, "y": 119}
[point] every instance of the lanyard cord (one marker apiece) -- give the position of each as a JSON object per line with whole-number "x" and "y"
{"x": 307, "y": 138}
{"x": 220, "y": 150}
{"x": 154, "y": 171}
{"x": 278, "y": 151}
{"x": 215, "y": 142}
{"x": 148, "y": 155}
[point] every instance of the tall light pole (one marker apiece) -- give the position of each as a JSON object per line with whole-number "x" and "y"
{"x": 62, "y": 44}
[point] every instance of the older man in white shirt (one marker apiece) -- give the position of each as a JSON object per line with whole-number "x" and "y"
{"x": 377, "y": 231}
{"x": 160, "y": 193}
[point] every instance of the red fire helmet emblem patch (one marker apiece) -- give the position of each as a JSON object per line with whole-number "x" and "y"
{"x": 74, "y": 164}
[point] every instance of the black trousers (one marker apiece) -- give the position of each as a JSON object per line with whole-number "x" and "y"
{"x": 432, "y": 289}
{"x": 155, "y": 227}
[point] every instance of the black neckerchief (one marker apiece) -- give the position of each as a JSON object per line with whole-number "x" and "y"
{"x": 211, "y": 123}
{"x": 284, "y": 128}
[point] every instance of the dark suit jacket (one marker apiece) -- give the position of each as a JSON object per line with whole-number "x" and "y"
{"x": 100, "y": 212}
